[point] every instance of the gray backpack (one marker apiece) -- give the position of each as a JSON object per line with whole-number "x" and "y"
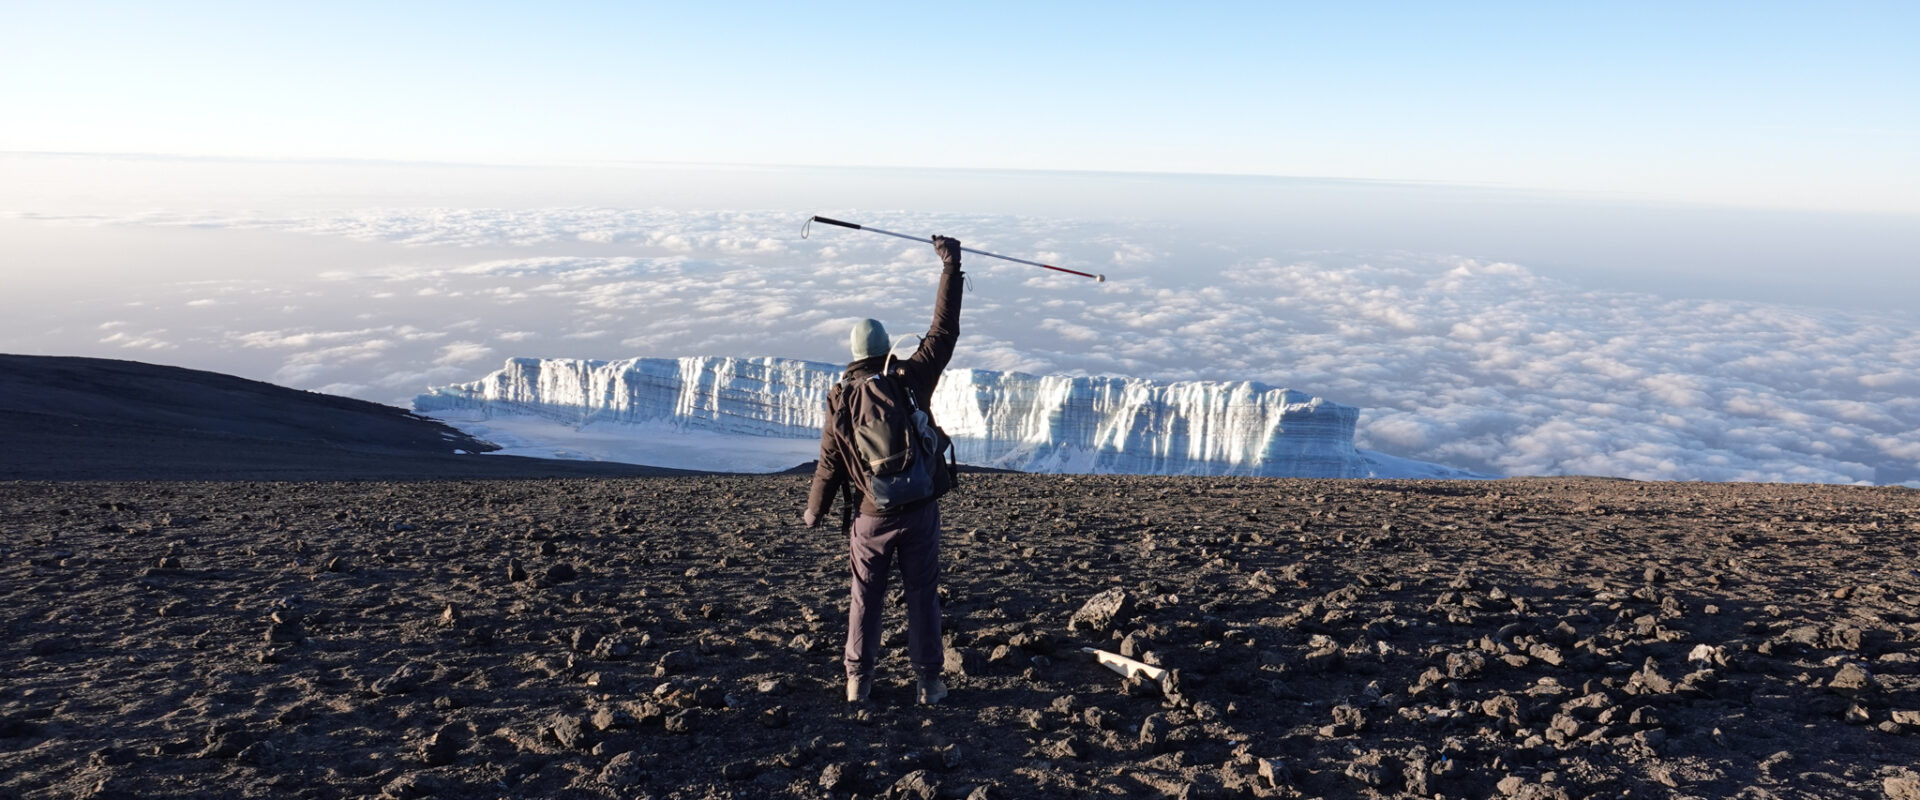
{"x": 903, "y": 457}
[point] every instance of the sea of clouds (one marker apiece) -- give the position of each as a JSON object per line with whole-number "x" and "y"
{"x": 1482, "y": 365}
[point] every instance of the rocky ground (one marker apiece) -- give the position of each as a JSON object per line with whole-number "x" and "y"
{"x": 679, "y": 638}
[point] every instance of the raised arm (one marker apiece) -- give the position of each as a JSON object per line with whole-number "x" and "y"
{"x": 936, "y": 348}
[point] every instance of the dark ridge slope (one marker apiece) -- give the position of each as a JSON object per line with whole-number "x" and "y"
{"x": 65, "y": 418}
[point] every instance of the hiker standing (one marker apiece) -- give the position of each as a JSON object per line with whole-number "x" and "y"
{"x": 882, "y": 530}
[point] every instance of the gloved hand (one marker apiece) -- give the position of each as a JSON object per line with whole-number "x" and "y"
{"x": 810, "y": 519}
{"x": 948, "y": 248}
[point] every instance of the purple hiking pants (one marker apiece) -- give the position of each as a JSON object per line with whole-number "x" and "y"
{"x": 915, "y": 537}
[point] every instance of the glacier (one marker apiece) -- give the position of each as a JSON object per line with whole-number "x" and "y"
{"x": 765, "y": 414}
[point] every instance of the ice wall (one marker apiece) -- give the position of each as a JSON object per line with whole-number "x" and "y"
{"x": 1011, "y": 420}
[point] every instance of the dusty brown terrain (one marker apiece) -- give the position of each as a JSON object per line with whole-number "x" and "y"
{"x": 679, "y": 638}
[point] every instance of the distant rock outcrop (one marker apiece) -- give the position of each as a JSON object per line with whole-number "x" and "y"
{"x": 66, "y": 418}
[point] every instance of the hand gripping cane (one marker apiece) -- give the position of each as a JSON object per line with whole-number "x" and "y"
{"x": 929, "y": 240}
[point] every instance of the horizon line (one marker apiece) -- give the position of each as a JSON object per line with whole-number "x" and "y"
{"x": 1589, "y": 195}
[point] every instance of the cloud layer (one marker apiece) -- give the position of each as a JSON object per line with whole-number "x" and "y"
{"x": 1483, "y": 365}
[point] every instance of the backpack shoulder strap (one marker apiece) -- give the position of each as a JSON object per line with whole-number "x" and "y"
{"x": 838, "y": 398}
{"x": 899, "y": 386}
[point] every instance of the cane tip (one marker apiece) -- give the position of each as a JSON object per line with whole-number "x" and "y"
{"x": 1099, "y": 279}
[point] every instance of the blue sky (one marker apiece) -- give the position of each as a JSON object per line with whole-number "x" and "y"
{"x": 1665, "y": 241}
{"x": 1808, "y": 106}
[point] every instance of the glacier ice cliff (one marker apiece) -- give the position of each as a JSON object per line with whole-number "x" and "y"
{"x": 612, "y": 409}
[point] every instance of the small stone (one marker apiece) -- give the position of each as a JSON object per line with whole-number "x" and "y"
{"x": 441, "y": 748}
{"x": 1465, "y": 665}
{"x": 612, "y": 648}
{"x": 1846, "y": 638}
{"x": 964, "y": 661}
{"x": 1347, "y": 720}
{"x": 1566, "y": 726}
{"x": 112, "y": 757}
{"x": 837, "y": 778}
{"x": 1325, "y": 659}
{"x": 1154, "y": 731}
{"x": 1905, "y": 717}
{"x": 1103, "y": 612}
{"x": 1901, "y": 787}
{"x": 284, "y": 633}
{"x": 1511, "y": 785}
{"x": 1137, "y": 686}
{"x": 1370, "y": 769}
{"x": 607, "y": 718}
{"x": 916, "y": 785}
{"x": 775, "y": 717}
{"x": 561, "y": 573}
{"x": 1066, "y": 747}
{"x": 583, "y": 639}
{"x": 1854, "y": 679}
{"x": 622, "y": 771}
{"x": 567, "y": 730}
{"x": 403, "y": 680}
{"x": 680, "y": 721}
{"x": 1503, "y": 707}
{"x": 676, "y": 662}
{"x": 1032, "y": 641}
{"x": 515, "y": 572}
{"x": 259, "y": 754}
{"x": 451, "y": 616}
{"x": 1274, "y": 772}
{"x": 1174, "y": 686}
{"x": 1651, "y": 678}
{"x": 707, "y": 695}
{"x": 1547, "y": 653}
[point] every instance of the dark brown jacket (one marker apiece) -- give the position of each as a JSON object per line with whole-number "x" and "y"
{"x": 920, "y": 373}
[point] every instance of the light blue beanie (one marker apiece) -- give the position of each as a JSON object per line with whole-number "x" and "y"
{"x": 870, "y": 339}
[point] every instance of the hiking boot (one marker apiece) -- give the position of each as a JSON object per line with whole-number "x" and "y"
{"x": 932, "y": 690}
{"x": 859, "y": 688}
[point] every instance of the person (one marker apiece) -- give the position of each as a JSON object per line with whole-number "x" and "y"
{"x": 911, "y": 532}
